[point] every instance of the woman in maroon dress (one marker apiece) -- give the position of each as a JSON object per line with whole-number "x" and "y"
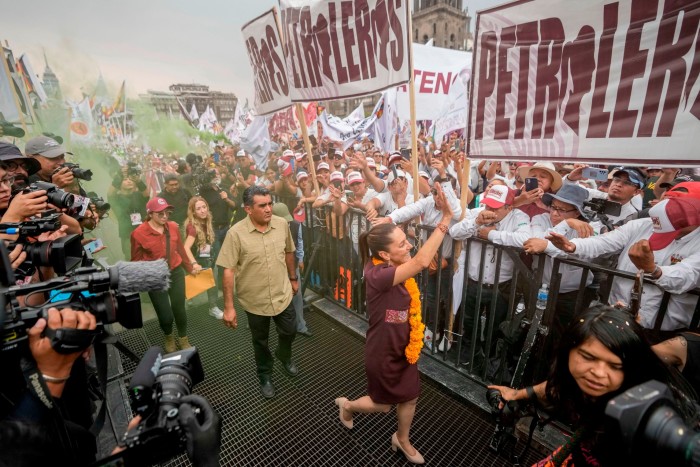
{"x": 391, "y": 379}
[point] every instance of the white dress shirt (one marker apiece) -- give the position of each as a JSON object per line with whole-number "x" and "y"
{"x": 679, "y": 263}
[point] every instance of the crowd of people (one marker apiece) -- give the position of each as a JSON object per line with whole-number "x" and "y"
{"x": 247, "y": 221}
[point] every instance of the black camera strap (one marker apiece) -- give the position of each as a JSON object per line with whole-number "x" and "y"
{"x": 37, "y": 387}
{"x": 167, "y": 243}
{"x": 101, "y": 362}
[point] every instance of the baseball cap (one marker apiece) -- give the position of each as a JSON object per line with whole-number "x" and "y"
{"x": 323, "y": 166}
{"x": 394, "y": 157}
{"x": 337, "y": 176}
{"x": 10, "y": 152}
{"x": 669, "y": 217}
{"x": 424, "y": 174}
{"x": 299, "y": 156}
{"x": 240, "y": 153}
{"x": 683, "y": 190}
{"x": 287, "y": 153}
{"x": 44, "y": 146}
{"x": 394, "y": 174}
{"x": 371, "y": 163}
{"x": 633, "y": 174}
{"x": 354, "y": 177}
{"x": 157, "y": 205}
{"x": 281, "y": 210}
{"x": 302, "y": 175}
{"x": 498, "y": 196}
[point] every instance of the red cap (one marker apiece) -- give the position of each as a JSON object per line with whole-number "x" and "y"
{"x": 669, "y": 217}
{"x": 498, "y": 196}
{"x": 157, "y": 205}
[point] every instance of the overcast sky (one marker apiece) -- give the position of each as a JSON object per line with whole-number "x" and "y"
{"x": 149, "y": 43}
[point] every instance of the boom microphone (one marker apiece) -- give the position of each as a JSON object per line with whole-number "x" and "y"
{"x": 140, "y": 276}
{"x": 142, "y": 382}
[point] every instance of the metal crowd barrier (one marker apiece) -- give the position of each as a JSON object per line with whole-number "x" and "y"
{"x": 514, "y": 349}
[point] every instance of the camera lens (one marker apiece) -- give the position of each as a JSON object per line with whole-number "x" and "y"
{"x": 61, "y": 198}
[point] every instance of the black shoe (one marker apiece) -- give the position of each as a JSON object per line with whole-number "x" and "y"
{"x": 267, "y": 389}
{"x": 306, "y": 333}
{"x": 290, "y": 367}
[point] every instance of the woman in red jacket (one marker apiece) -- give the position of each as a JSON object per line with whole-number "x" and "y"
{"x": 158, "y": 238}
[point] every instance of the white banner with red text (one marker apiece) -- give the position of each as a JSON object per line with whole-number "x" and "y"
{"x": 434, "y": 71}
{"x": 266, "y": 55}
{"x": 340, "y": 49}
{"x": 594, "y": 81}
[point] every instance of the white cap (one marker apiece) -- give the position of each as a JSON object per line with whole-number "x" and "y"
{"x": 354, "y": 177}
{"x": 240, "y": 153}
{"x": 302, "y": 175}
{"x": 399, "y": 173}
{"x": 424, "y": 174}
{"x": 299, "y": 155}
{"x": 371, "y": 163}
{"x": 337, "y": 176}
{"x": 395, "y": 156}
{"x": 323, "y": 166}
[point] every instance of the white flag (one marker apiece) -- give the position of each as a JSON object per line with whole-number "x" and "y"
{"x": 256, "y": 141}
{"x": 387, "y": 126}
{"x": 194, "y": 116}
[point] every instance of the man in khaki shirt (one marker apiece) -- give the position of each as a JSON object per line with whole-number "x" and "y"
{"x": 259, "y": 252}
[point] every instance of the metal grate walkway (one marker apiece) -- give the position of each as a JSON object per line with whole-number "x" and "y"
{"x": 300, "y": 426}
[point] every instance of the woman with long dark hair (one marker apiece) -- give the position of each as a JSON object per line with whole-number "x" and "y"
{"x": 395, "y": 334}
{"x": 602, "y": 354}
{"x": 159, "y": 238}
{"x": 199, "y": 236}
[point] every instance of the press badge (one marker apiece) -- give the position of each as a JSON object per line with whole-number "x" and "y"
{"x": 205, "y": 251}
{"x": 135, "y": 218}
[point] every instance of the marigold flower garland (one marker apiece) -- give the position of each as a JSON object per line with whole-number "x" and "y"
{"x": 415, "y": 340}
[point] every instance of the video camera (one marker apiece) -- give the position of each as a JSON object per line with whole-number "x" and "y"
{"x": 158, "y": 384}
{"x": 62, "y": 254}
{"x": 111, "y": 295}
{"x": 503, "y": 441}
{"x": 600, "y": 209}
{"x": 651, "y": 429}
{"x": 82, "y": 174}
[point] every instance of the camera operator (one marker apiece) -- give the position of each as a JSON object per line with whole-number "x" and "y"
{"x": 177, "y": 197}
{"x": 220, "y": 206}
{"x": 28, "y": 401}
{"x": 626, "y": 187}
{"x": 601, "y": 355}
{"x": 128, "y": 200}
{"x": 51, "y": 156}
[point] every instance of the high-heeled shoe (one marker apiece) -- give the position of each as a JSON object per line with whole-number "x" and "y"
{"x": 417, "y": 458}
{"x": 340, "y": 402}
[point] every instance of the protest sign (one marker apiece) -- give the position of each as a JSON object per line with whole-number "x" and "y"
{"x": 340, "y": 49}
{"x": 595, "y": 81}
{"x": 266, "y": 54}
